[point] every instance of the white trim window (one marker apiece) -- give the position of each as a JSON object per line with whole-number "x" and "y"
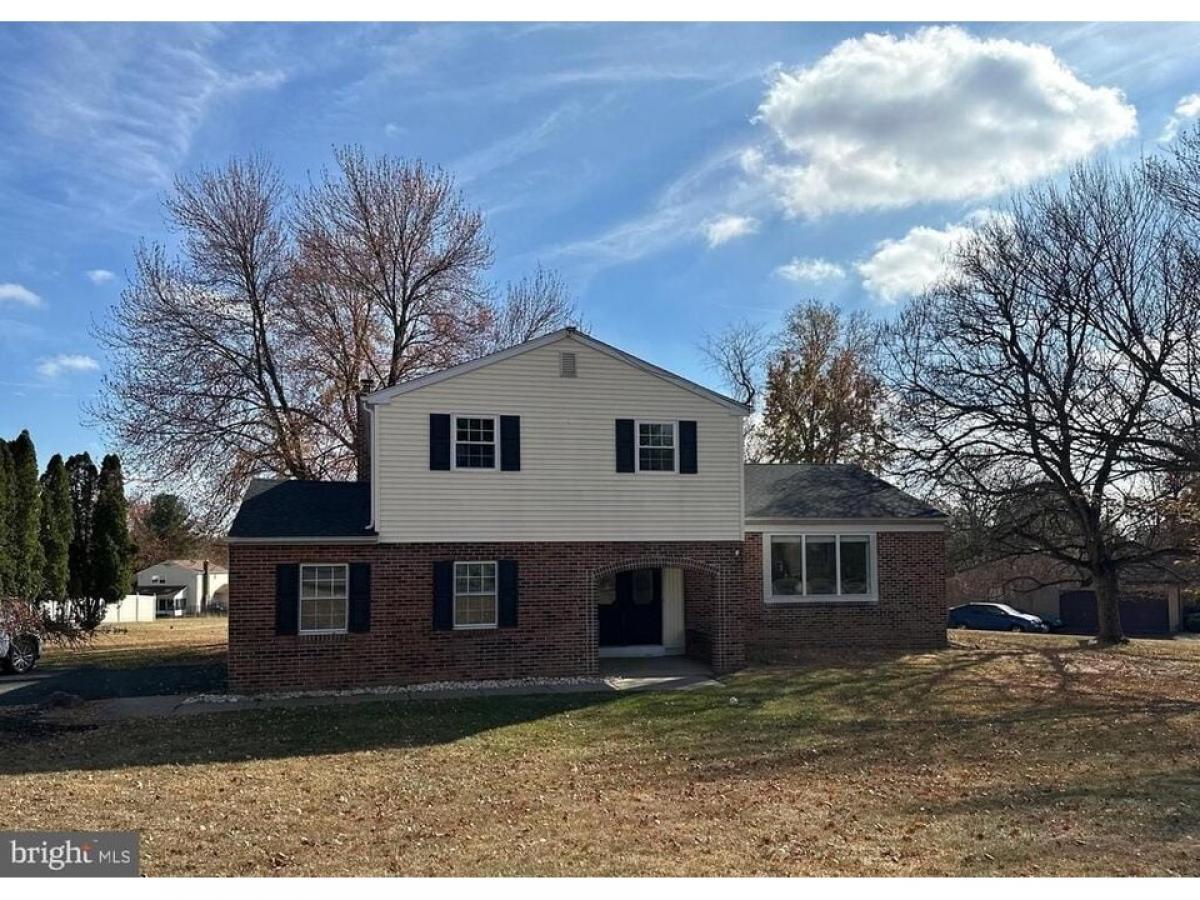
{"x": 324, "y": 598}
{"x": 656, "y": 447}
{"x": 819, "y": 568}
{"x": 476, "y": 442}
{"x": 475, "y": 597}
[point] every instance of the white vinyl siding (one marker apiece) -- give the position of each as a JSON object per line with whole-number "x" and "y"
{"x": 568, "y": 488}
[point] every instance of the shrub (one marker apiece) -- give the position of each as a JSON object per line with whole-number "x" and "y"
{"x": 1192, "y": 621}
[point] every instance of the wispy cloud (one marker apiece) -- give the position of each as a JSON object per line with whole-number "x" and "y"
{"x": 699, "y": 194}
{"x": 66, "y": 362}
{"x": 800, "y": 269}
{"x": 726, "y": 228}
{"x": 19, "y": 295}
{"x": 515, "y": 147}
{"x": 99, "y": 276}
{"x": 121, "y": 106}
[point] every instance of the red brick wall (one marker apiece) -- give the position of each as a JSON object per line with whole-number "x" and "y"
{"x": 910, "y": 613}
{"x": 556, "y": 633}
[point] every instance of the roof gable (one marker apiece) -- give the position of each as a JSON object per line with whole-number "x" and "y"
{"x": 572, "y": 334}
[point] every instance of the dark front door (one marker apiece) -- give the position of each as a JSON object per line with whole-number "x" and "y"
{"x": 634, "y": 615}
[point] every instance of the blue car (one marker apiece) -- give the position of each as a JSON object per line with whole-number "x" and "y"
{"x": 993, "y": 617}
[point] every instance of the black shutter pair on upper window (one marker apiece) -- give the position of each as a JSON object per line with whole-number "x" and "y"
{"x": 287, "y": 598}
{"x": 626, "y": 434}
{"x": 443, "y": 594}
{"x": 441, "y": 444}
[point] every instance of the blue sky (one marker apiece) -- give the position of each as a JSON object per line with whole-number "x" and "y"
{"x": 678, "y": 176}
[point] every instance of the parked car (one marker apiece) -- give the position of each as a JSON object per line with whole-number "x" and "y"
{"x": 1052, "y": 623}
{"x": 19, "y": 653}
{"x": 993, "y": 617}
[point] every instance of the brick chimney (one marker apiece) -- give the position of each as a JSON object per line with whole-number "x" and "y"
{"x": 362, "y": 431}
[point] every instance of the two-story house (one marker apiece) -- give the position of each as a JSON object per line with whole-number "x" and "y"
{"x": 530, "y": 512}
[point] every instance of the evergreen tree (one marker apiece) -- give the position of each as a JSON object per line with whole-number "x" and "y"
{"x": 170, "y": 525}
{"x": 24, "y": 542}
{"x": 6, "y": 503}
{"x": 112, "y": 550}
{"x": 57, "y": 530}
{"x": 83, "y": 476}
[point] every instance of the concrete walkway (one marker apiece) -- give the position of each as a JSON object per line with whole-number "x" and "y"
{"x": 617, "y": 675}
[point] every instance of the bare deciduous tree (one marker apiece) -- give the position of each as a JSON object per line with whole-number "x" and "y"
{"x": 738, "y": 353}
{"x": 243, "y": 356}
{"x": 1024, "y": 384}
{"x": 534, "y": 305}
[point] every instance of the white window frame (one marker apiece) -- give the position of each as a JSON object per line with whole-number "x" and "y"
{"x": 872, "y": 594}
{"x": 495, "y": 623}
{"x": 300, "y": 629}
{"x": 637, "y": 447}
{"x": 495, "y": 466}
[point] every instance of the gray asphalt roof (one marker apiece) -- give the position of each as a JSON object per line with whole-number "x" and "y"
{"x": 807, "y": 491}
{"x": 295, "y": 509}
{"x": 286, "y": 509}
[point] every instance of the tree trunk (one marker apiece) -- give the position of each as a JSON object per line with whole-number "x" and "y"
{"x": 1108, "y": 609}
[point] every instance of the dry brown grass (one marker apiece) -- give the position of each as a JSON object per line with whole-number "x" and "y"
{"x": 166, "y": 641}
{"x": 1007, "y": 754}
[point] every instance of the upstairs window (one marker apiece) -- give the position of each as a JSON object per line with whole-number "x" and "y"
{"x": 656, "y": 446}
{"x": 474, "y": 442}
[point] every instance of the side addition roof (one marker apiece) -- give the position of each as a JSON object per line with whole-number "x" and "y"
{"x": 780, "y": 491}
{"x": 279, "y": 509}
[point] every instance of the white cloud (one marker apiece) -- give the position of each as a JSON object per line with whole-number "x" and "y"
{"x": 810, "y": 270}
{"x": 908, "y": 265}
{"x": 1187, "y": 108}
{"x": 938, "y": 115}
{"x": 66, "y": 362}
{"x": 99, "y": 276}
{"x": 19, "y": 294}
{"x": 728, "y": 227}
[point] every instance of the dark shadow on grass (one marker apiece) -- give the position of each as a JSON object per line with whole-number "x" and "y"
{"x": 102, "y": 682}
{"x": 1167, "y": 803}
{"x": 279, "y": 733}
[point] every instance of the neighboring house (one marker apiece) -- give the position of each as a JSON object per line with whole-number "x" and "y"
{"x": 1151, "y": 593}
{"x": 185, "y": 587}
{"x": 530, "y": 512}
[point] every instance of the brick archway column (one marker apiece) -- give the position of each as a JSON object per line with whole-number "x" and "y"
{"x": 712, "y": 602}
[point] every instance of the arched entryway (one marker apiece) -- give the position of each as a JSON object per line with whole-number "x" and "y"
{"x": 657, "y": 606}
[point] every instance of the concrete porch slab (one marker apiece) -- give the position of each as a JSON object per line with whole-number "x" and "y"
{"x": 657, "y": 673}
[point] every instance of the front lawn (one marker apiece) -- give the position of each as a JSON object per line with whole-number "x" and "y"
{"x": 164, "y": 642}
{"x": 1006, "y": 754}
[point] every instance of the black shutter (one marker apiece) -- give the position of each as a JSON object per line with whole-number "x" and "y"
{"x": 687, "y": 448}
{"x": 507, "y": 584}
{"x": 625, "y": 448}
{"x": 443, "y": 595}
{"x": 359, "y": 615}
{"x": 287, "y": 598}
{"x": 510, "y": 443}
{"x": 439, "y": 441}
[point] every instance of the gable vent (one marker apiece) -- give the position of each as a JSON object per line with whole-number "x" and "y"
{"x": 566, "y": 365}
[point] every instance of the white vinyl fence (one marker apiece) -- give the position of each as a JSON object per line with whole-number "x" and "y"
{"x": 130, "y": 608}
